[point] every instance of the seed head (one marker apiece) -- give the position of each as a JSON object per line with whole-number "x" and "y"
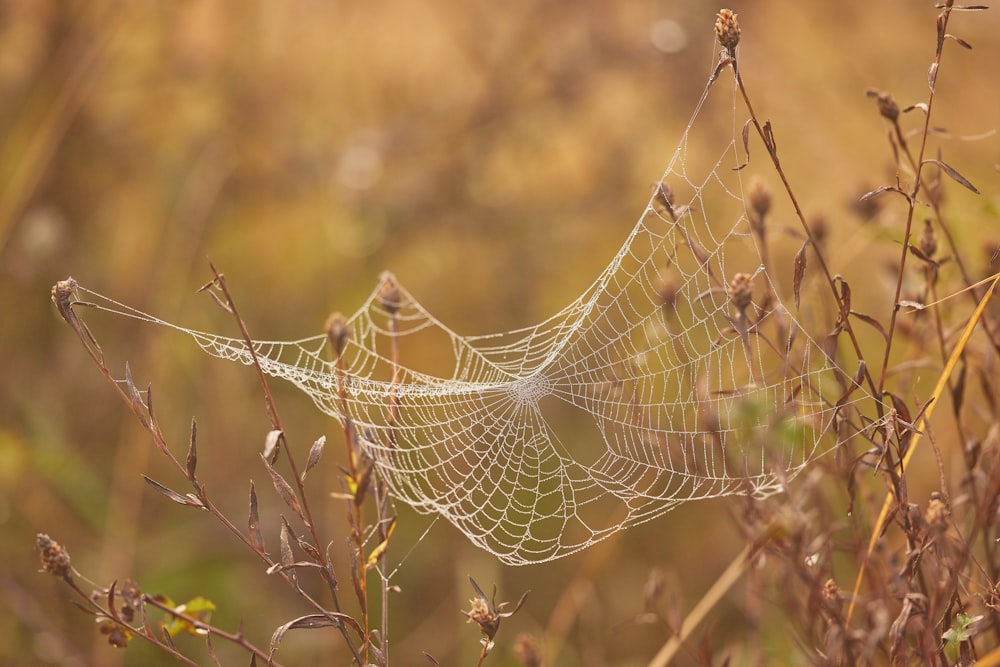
{"x": 55, "y": 559}
{"x": 741, "y": 292}
{"x": 338, "y": 332}
{"x": 727, "y": 30}
{"x": 390, "y": 297}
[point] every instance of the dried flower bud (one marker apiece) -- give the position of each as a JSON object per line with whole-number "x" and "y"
{"x": 928, "y": 240}
{"x": 937, "y": 512}
{"x": 886, "y": 104}
{"x": 338, "y": 332}
{"x": 665, "y": 196}
{"x": 390, "y": 297}
{"x": 759, "y": 198}
{"x": 819, "y": 230}
{"x": 741, "y": 292}
{"x": 727, "y": 30}
{"x": 55, "y": 558}
{"x": 527, "y": 650}
{"x": 667, "y": 289}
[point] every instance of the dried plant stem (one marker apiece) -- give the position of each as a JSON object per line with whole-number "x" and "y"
{"x": 306, "y": 514}
{"x": 934, "y": 399}
{"x": 65, "y": 299}
{"x": 911, "y": 197}
{"x": 732, "y": 574}
{"x": 767, "y": 137}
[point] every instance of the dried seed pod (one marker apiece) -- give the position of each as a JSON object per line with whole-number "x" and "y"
{"x": 338, "y": 332}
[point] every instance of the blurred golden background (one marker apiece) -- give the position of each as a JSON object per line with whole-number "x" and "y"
{"x": 492, "y": 155}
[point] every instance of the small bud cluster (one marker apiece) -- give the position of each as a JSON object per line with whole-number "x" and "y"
{"x": 55, "y": 559}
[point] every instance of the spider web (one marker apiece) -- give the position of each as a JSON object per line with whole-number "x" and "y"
{"x": 653, "y": 388}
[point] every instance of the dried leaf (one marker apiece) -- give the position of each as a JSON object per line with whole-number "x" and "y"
{"x": 112, "y": 610}
{"x": 284, "y": 489}
{"x": 915, "y": 305}
{"x": 855, "y": 384}
{"x": 171, "y": 494}
{"x": 192, "y": 455}
{"x": 271, "y": 446}
{"x": 138, "y": 406}
{"x": 871, "y": 321}
{"x": 932, "y": 76}
{"x": 799, "y": 271}
{"x": 431, "y": 659}
{"x": 957, "y": 177}
{"x": 961, "y": 42}
{"x": 315, "y": 453}
{"x": 312, "y": 622}
{"x": 879, "y": 190}
{"x": 920, "y": 254}
{"x": 308, "y": 548}
{"x": 287, "y": 557}
{"x": 253, "y": 523}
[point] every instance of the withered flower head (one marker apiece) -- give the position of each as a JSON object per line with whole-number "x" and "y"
{"x": 740, "y": 291}
{"x": 487, "y": 613}
{"x": 390, "y": 297}
{"x": 338, "y": 332}
{"x": 887, "y": 105}
{"x": 727, "y": 30}
{"x": 55, "y": 558}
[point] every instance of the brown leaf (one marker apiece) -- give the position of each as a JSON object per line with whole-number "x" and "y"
{"x": 314, "y": 621}
{"x": 271, "y": 443}
{"x": 192, "y": 455}
{"x": 284, "y": 489}
{"x": 253, "y": 524}
{"x": 315, "y": 453}
{"x": 799, "y": 271}
{"x": 961, "y": 42}
{"x": 287, "y": 556}
{"x": 871, "y": 321}
{"x": 957, "y": 177}
{"x": 308, "y": 548}
{"x": 138, "y": 405}
{"x": 171, "y": 494}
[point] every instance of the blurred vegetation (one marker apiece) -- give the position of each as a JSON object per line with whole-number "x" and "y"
{"x": 493, "y": 156}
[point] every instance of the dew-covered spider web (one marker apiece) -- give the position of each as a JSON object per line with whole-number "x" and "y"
{"x": 679, "y": 374}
